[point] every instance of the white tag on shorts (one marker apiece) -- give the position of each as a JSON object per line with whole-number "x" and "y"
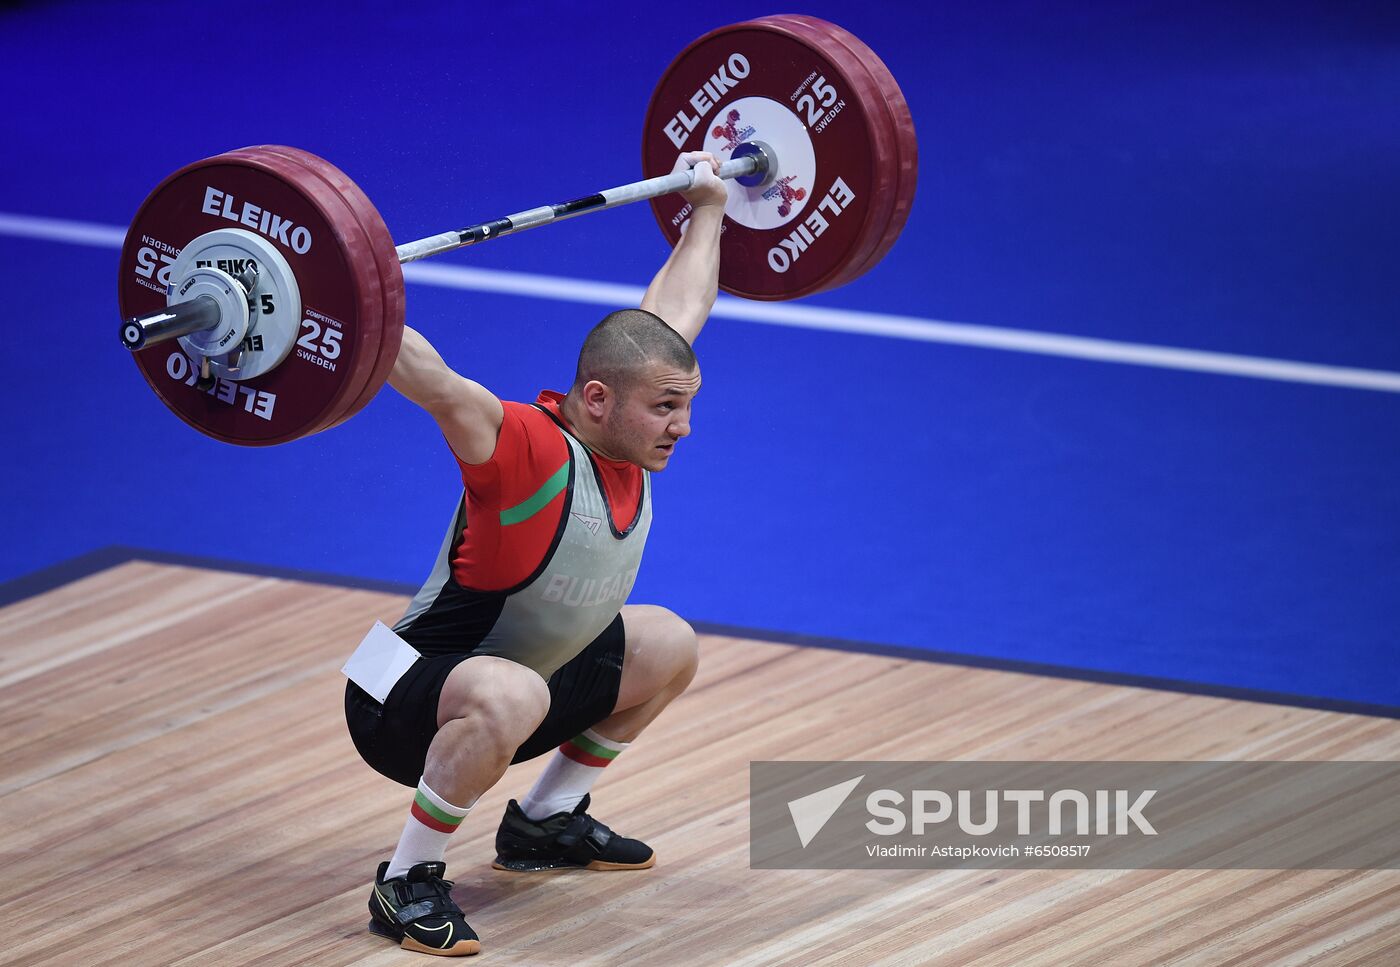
{"x": 380, "y": 661}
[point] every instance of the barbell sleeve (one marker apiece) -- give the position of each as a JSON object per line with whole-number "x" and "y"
{"x": 172, "y": 322}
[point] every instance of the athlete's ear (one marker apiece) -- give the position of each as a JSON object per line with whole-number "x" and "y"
{"x": 596, "y": 398}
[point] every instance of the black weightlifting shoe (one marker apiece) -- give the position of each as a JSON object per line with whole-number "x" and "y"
{"x": 417, "y": 911}
{"x": 565, "y": 841}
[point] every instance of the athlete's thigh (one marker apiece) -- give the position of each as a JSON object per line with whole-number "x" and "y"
{"x": 582, "y": 693}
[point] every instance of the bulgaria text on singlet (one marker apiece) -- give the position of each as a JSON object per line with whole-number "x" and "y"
{"x": 544, "y": 617}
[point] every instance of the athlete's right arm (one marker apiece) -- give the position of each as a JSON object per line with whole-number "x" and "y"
{"x": 468, "y": 413}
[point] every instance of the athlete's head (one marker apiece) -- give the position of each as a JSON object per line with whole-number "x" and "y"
{"x": 631, "y": 395}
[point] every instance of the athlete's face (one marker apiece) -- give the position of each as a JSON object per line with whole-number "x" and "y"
{"x": 650, "y": 415}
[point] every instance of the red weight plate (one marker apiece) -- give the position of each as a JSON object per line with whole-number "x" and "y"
{"x": 335, "y": 265}
{"x": 898, "y": 148}
{"x": 802, "y": 86}
{"x": 331, "y": 188}
{"x": 390, "y": 271}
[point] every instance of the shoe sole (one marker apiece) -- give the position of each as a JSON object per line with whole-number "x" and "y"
{"x": 462, "y": 948}
{"x": 545, "y": 866}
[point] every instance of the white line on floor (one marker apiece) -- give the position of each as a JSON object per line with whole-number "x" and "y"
{"x": 804, "y": 316}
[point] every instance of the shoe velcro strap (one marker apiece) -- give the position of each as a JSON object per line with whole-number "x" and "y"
{"x": 583, "y": 840}
{"x": 414, "y": 912}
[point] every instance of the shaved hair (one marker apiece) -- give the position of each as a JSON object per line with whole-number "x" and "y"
{"x": 625, "y": 344}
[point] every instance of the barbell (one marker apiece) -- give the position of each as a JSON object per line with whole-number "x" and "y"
{"x": 283, "y": 290}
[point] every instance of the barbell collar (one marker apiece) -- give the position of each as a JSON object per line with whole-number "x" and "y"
{"x": 185, "y": 318}
{"x": 756, "y": 163}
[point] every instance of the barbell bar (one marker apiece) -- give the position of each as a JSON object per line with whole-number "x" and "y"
{"x": 284, "y": 289}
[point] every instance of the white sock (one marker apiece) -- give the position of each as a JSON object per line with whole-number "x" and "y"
{"x": 570, "y": 774}
{"x": 431, "y": 822}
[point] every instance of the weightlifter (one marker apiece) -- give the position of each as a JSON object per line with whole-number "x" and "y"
{"x": 526, "y": 644}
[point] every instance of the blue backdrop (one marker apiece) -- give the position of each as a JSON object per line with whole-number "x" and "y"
{"x": 1209, "y": 176}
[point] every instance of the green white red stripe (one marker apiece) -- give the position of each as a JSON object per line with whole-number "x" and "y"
{"x": 431, "y": 815}
{"x": 589, "y": 752}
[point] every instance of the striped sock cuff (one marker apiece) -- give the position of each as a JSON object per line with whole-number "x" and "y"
{"x": 592, "y": 749}
{"x": 437, "y": 813}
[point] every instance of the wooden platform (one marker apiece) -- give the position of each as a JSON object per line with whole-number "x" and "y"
{"x": 177, "y": 787}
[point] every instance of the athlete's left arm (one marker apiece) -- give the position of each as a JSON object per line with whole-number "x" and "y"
{"x": 684, "y": 291}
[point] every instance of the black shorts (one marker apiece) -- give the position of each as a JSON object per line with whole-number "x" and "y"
{"x": 394, "y": 737}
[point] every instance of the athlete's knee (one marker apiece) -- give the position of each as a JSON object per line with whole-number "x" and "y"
{"x": 672, "y": 642}
{"x": 505, "y": 701}
{"x": 686, "y": 645}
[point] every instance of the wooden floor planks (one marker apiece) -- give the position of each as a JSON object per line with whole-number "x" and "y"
{"x": 177, "y": 787}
